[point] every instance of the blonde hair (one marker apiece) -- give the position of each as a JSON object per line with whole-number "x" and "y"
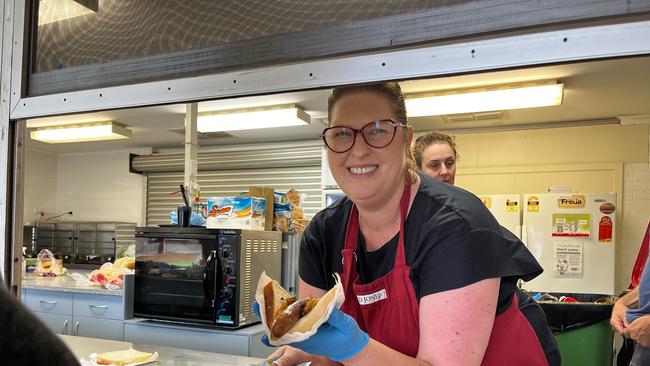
{"x": 393, "y": 94}
{"x": 424, "y": 141}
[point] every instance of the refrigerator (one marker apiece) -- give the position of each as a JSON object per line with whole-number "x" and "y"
{"x": 572, "y": 236}
{"x": 506, "y": 208}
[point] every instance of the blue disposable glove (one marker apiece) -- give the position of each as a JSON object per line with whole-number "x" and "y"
{"x": 256, "y": 309}
{"x": 337, "y": 339}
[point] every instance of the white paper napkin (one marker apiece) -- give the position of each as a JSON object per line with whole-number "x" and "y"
{"x": 92, "y": 360}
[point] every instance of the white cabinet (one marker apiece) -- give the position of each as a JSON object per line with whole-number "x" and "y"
{"x": 80, "y": 314}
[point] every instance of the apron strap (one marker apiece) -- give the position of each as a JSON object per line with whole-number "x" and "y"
{"x": 352, "y": 229}
{"x": 400, "y": 256}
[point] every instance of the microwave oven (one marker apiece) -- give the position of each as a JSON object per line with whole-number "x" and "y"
{"x": 202, "y": 276}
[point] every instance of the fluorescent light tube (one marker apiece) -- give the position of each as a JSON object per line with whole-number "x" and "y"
{"x": 81, "y": 132}
{"x": 541, "y": 94}
{"x": 252, "y": 118}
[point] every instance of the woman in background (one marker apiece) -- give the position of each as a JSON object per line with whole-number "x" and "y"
{"x": 435, "y": 155}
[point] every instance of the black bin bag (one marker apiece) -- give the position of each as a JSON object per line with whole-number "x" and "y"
{"x": 565, "y": 316}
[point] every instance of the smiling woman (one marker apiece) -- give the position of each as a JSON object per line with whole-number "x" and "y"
{"x": 379, "y": 116}
{"x": 401, "y": 242}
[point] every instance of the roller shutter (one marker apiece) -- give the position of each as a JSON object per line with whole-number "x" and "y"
{"x": 230, "y": 172}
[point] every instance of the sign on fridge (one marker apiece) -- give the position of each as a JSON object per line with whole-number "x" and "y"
{"x": 571, "y": 225}
{"x": 568, "y": 259}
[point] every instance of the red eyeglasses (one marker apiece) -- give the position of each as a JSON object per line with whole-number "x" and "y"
{"x": 377, "y": 134}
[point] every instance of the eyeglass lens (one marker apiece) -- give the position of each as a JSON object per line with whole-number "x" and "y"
{"x": 377, "y": 134}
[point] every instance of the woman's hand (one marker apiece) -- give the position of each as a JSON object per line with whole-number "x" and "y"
{"x": 337, "y": 339}
{"x": 289, "y": 356}
{"x": 618, "y": 320}
{"x": 639, "y": 330}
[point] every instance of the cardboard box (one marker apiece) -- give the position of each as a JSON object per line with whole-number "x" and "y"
{"x": 236, "y": 213}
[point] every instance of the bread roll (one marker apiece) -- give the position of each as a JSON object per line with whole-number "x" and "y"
{"x": 287, "y": 319}
{"x": 273, "y": 300}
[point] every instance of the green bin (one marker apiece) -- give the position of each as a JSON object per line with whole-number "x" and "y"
{"x": 582, "y": 331}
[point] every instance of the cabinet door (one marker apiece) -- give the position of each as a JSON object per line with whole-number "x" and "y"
{"x": 98, "y": 306}
{"x": 54, "y": 302}
{"x": 58, "y": 323}
{"x": 98, "y": 328}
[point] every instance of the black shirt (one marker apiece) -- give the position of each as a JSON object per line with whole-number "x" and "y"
{"x": 451, "y": 241}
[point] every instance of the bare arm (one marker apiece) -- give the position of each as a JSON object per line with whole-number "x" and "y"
{"x": 630, "y": 299}
{"x": 618, "y": 320}
{"x": 306, "y": 290}
{"x": 455, "y": 328}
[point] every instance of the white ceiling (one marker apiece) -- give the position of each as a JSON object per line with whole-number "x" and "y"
{"x": 593, "y": 91}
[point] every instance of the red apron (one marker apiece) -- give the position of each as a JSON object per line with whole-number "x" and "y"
{"x": 389, "y": 313}
{"x": 381, "y": 307}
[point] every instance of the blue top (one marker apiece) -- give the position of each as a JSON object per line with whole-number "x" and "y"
{"x": 644, "y": 295}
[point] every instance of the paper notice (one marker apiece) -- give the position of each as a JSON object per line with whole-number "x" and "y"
{"x": 568, "y": 259}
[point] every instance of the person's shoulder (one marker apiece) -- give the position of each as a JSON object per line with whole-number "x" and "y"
{"x": 447, "y": 194}
{"x": 457, "y": 203}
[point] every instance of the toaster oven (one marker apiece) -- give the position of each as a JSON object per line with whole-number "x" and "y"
{"x": 203, "y": 276}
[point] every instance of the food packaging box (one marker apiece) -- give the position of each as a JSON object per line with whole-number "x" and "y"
{"x": 236, "y": 213}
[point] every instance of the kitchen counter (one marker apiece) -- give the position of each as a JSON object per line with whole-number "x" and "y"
{"x": 82, "y": 347}
{"x": 66, "y": 283}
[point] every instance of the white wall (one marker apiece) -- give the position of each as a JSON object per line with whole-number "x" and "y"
{"x": 94, "y": 186}
{"x": 40, "y": 184}
{"x": 636, "y": 213}
{"x": 99, "y": 187}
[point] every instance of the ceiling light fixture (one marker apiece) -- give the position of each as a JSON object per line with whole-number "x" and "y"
{"x": 50, "y": 11}
{"x": 493, "y": 98}
{"x": 81, "y": 132}
{"x": 252, "y": 118}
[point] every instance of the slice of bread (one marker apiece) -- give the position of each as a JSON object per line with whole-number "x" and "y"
{"x": 122, "y": 358}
